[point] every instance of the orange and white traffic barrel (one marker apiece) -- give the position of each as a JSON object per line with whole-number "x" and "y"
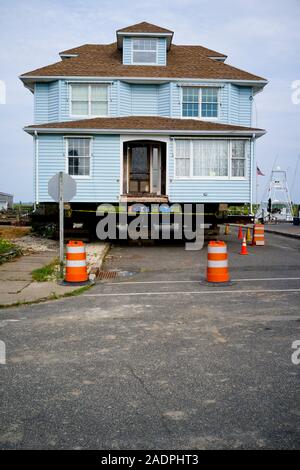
{"x": 258, "y": 235}
{"x": 76, "y": 267}
{"x": 217, "y": 262}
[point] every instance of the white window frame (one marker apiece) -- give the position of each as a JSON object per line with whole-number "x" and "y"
{"x": 89, "y": 85}
{"x": 246, "y": 158}
{"x": 144, "y": 50}
{"x": 204, "y": 118}
{"x": 66, "y": 142}
{"x": 229, "y": 177}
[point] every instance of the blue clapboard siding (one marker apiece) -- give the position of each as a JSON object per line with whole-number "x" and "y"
{"x": 191, "y": 190}
{"x": 41, "y": 103}
{"x": 240, "y": 107}
{"x": 144, "y": 100}
{"x": 54, "y": 101}
{"x": 234, "y": 105}
{"x": 164, "y": 99}
{"x": 125, "y": 99}
{"x": 245, "y": 106}
{"x": 104, "y": 183}
{"x": 161, "y": 51}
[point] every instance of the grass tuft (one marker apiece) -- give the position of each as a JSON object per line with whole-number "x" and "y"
{"x": 6, "y": 246}
{"x": 49, "y": 272}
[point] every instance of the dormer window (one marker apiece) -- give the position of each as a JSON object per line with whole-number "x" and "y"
{"x": 144, "y": 51}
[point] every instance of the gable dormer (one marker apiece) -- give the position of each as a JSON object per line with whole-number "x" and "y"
{"x": 144, "y": 44}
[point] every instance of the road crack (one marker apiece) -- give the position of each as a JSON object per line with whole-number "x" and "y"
{"x": 152, "y": 397}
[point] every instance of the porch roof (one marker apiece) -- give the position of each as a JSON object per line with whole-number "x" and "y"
{"x": 144, "y": 124}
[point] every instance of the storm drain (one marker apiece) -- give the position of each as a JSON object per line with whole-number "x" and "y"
{"x": 107, "y": 274}
{"x": 113, "y": 274}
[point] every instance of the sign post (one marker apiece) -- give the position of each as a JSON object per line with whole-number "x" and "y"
{"x": 61, "y": 223}
{"x": 62, "y": 188}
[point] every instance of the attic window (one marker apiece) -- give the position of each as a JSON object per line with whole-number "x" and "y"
{"x": 144, "y": 51}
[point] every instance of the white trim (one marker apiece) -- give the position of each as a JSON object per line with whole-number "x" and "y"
{"x": 228, "y": 177}
{"x": 138, "y": 79}
{"x": 218, "y": 58}
{"x": 156, "y": 138}
{"x": 89, "y": 101}
{"x": 132, "y": 50}
{"x": 123, "y": 33}
{"x": 168, "y": 132}
{"x": 36, "y": 168}
{"x": 200, "y": 90}
{"x": 61, "y": 54}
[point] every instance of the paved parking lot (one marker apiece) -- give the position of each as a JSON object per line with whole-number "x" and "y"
{"x": 153, "y": 358}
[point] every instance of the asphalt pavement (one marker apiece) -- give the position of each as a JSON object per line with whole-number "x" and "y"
{"x": 156, "y": 358}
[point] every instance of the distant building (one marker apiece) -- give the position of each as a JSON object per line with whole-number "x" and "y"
{"x": 6, "y": 201}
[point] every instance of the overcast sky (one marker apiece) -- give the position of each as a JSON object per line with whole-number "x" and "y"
{"x": 260, "y": 36}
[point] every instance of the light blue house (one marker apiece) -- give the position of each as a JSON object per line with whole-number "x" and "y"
{"x": 145, "y": 120}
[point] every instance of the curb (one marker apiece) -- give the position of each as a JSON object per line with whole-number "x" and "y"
{"x": 95, "y": 268}
{"x": 284, "y": 234}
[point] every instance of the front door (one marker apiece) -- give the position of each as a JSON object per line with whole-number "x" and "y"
{"x": 139, "y": 168}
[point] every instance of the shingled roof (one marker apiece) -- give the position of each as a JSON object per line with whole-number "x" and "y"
{"x": 144, "y": 27}
{"x": 153, "y": 123}
{"x": 106, "y": 61}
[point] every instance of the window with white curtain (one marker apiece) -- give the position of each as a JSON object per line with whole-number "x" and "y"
{"x": 183, "y": 157}
{"x": 89, "y": 99}
{"x": 144, "y": 51}
{"x": 79, "y": 156}
{"x": 238, "y": 158}
{"x": 200, "y": 102}
{"x": 208, "y": 158}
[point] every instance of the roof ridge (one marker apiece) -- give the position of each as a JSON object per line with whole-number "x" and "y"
{"x": 143, "y": 25}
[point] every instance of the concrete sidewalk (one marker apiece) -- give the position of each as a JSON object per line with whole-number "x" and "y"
{"x": 17, "y": 286}
{"x": 284, "y": 229}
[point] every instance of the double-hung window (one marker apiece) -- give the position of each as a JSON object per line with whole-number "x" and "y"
{"x": 210, "y": 158}
{"x": 183, "y": 158}
{"x": 89, "y": 100}
{"x": 200, "y": 102}
{"x": 144, "y": 51}
{"x": 79, "y": 156}
{"x": 238, "y": 158}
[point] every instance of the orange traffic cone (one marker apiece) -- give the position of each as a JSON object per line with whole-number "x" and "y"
{"x": 244, "y": 250}
{"x": 240, "y": 234}
{"x": 227, "y": 230}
